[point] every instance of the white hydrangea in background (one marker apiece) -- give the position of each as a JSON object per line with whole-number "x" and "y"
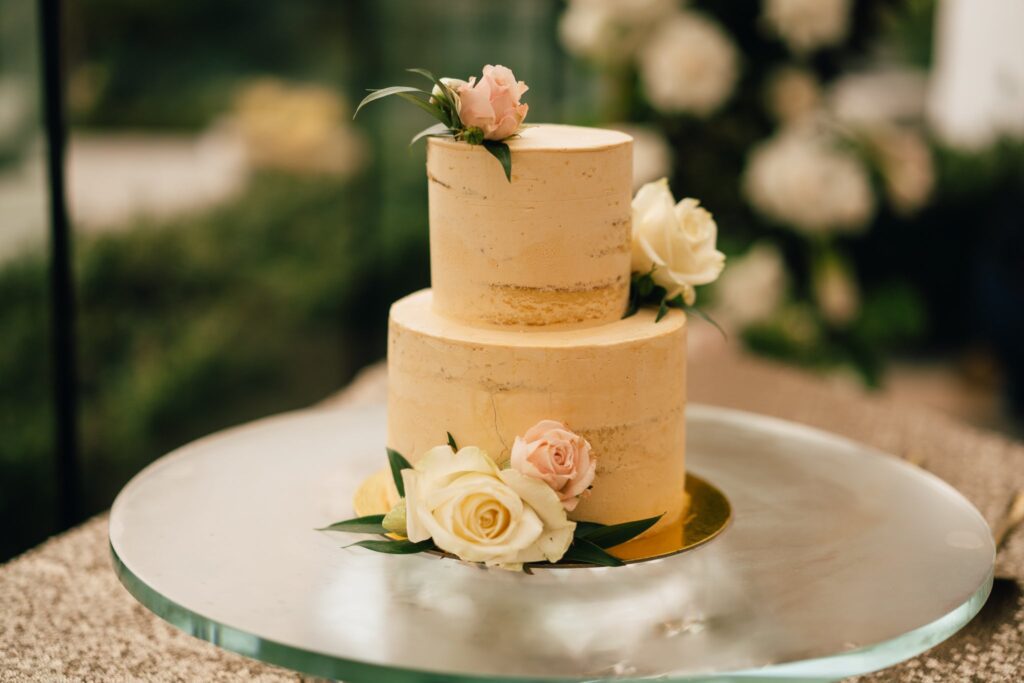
{"x": 752, "y": 288}
{"x": 689, "y": 65}
{"x": 806, "y": 25}
{"x": 884, "y": 109}
{"x": 802, "y": 178}
{"x": 879, "y": 96}
{"x": 652, "y": 155}
{"x": 793, "y": 93}
{"x": 610, "y": 31}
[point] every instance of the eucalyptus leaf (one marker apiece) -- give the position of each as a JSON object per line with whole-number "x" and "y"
{"x": 435, "y": 130}
{"x": 386, "y": 92}
{"x": 398, "y": 463}
{"x": 617, "y": 534}
{"x": 588, "y": 552}
{"x": 501, "y": 152}
{"x": 395, "y": 547}
{"x": 371, "y": 524}
{"x": 451, "y": 442}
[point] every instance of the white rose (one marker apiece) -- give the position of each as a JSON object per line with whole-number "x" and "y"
{"x": 676, "y": 240}
{"x": 689, "y": 65}
{"x": 480, "y": 513}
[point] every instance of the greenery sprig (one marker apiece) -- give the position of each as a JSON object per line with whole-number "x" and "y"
{"x": 442, "y": 102}
{"x": 643, "y": 291}
{"x": 589, "y": 546}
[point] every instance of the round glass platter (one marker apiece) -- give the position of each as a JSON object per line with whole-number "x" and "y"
{"x": 839, "y": 560}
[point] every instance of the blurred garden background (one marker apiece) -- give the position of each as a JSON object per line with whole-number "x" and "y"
{"x": 238, "y": 238}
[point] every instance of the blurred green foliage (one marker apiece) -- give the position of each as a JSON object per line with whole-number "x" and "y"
{"x": 175, "y": 64}
{"x": 192, "y": 324}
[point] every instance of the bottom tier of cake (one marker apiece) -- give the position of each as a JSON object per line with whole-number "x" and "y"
{"x": 622, "y": 386}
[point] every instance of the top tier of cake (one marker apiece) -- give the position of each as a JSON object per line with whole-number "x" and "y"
{"x": 551, "y": 247}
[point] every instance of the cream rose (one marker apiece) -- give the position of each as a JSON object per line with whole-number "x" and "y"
{"x": 677, "y": 240}
{"x": 492, "y": 103}
{"x": 558, "y": 457}
{"x": 479, "y": 513}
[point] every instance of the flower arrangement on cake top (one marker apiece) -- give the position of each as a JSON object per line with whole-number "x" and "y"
{"x": 673, "y": 251}
{"x": 459, "y": 501}
{"x": 480, "y": 112}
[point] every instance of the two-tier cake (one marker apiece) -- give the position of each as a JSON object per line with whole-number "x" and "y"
{"x": 524, "y": 321}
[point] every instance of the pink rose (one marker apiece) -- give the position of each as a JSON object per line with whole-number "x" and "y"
{"x": 561, "y": 459}
{"x": 492, "y": 103}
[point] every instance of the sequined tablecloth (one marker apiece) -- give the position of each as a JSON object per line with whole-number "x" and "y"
{"x": 65, "y": 617}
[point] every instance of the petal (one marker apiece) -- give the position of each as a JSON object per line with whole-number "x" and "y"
{"x": 439, "y": 465}
{"x": 537, "y": 431}
{"x": 649, "y": 193}
{"x": 415, "y": 527}
{"x": 539, "y": 496}
{"x": 651, "y": 254}
{"x": 581, "y": 483}
{"x": 475, "y": 105}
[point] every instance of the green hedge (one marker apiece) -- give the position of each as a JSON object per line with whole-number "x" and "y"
{"x": 190, "y": 325}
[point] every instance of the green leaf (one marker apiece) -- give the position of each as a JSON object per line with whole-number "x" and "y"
{"x": 662, "y": 311}
{"x": 386, "y": 92}
{"x": 398, "y": 463}
{"x": 426, "y": 106}
{"x": 645, "y": 285}
{"x": 448, "y": 97}
{"x": 616, "y": 534}
{"x": 426, "y": 74}
{"x": 707, "y": 318}
{"x": 587, "y": 552}
{"x": 430, "y": 131}
{"x": 584, "y": 528}
{"x": 371, "y": 524}
{"x": 395, "y": 547}
{"x": 501, "y": 152}
{"x": 451, "y": 442}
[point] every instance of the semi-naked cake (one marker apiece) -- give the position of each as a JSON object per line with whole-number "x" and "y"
{"x": 524, "y": 322}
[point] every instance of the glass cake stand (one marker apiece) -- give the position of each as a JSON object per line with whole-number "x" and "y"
{"x": 839, "y": 560}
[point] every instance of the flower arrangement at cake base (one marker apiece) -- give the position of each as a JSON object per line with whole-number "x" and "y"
{"x": 459, "y": 501}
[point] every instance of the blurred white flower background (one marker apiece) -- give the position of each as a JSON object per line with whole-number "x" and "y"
{"x": 804, "y": 126}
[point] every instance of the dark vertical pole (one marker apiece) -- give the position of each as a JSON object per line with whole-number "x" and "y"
{"x": 62, "y": 303}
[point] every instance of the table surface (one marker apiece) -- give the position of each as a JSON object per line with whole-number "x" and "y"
{"x": 66, "y": 616}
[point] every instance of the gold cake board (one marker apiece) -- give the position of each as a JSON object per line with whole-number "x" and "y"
{"x": 708, "y": 514}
